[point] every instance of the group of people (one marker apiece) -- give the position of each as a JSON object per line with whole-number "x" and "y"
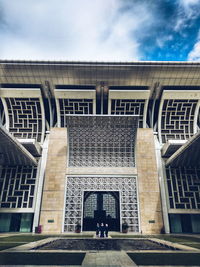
{"x": 102, "y": 230}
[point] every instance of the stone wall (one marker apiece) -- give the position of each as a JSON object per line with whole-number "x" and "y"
{"x": 148, "y": 185}
{"x": 51, "y": 217}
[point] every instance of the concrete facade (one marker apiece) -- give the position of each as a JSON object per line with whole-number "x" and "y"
{"x": 117, "y": 139}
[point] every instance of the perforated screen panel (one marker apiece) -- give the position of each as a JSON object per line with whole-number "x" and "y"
{"x": 102, "y": 141}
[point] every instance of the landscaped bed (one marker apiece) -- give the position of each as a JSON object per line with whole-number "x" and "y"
{"x": 103, "y": 244}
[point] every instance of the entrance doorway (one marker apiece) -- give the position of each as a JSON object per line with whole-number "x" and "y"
{"x": 101, "y": 206}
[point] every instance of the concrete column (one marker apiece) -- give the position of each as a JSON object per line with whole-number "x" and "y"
{"x": 40, "y": 182}
{"x": 151, "y": 221}
{"x": 51, "y": 217}
{"x": 163, "y": 185}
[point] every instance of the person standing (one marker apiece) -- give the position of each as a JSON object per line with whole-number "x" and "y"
{"x": 102, "y": 229}
{"x": 106, "y": 230}
{"x": 97, "y": 230}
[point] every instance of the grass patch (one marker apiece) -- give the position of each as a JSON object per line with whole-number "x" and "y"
{"x": 17, "y": 240}
{"x": 194, "y": 245}
{"x": 32, "y": 238}
{"x": 23, "y": 238}
{"x": 187, "y": 259}
{"x": 190, "y": 241}
{"x": 25, "y": 258}
{"x": 9, "y": 245}
{"x": 180, "y": 239}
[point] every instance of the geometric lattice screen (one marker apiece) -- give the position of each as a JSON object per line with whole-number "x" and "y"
{"x": 109, "y": 204}
{"x": 74, "y": 106}
{"x": 25, "y": 117}
{"x": 102, "y": 141}
{"x": 17, "y": 186}
{"x": 178, "y": 119}
{"x": 183, "y": 188}
{"x": 90, "y": 206}
{"x": 129, "y": 107}
{"x": 76, "y": 185}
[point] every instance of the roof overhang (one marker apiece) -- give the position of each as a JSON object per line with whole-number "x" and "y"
{"x": 150, "y": 74}
{"x": 187, "y": 154}
{"x": 171, "y": 147}
{"x": 32, "y": 146}
{"x": 12, "y": 153}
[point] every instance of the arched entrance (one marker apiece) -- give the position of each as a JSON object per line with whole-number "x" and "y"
{"x": 123, "y": 187}
{"x": 101, "y": 206}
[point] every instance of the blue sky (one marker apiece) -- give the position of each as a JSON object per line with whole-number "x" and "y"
{"x": 100, "y": 30}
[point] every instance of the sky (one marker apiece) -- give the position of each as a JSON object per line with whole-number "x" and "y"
{"x": 100, "y": 30}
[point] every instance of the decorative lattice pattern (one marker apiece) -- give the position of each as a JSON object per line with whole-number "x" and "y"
{"x": 184, "y": 188}
{"x": 17, "y": 187}
{"x": 74, "y": 106}
{"x": 129, "y": 107}
{"x": 90, "y": 206}
{"x": 109, "y": 205}
{"x": 74, "y": 198}
{"x": 25, "y": 117}
{"x": 102, "y": 141}
{"x": 177, "y": 119}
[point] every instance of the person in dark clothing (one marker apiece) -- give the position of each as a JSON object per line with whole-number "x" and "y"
{"x": 102, "y": 229}
{"x": 97, "y": 230}
{"x": 106, "y": 230}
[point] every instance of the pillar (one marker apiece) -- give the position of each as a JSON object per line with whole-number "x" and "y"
{"x": 151, "y": 221}
{"x": 52, "y": 208}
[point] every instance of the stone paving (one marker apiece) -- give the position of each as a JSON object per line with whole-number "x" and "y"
{"x": 107, "y": 258}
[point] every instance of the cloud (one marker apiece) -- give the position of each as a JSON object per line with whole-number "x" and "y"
{"x": 103, "y": 30}
{"x": 194, "y": 54}
{"x": 188, "y": 11}
{"x": 188, "y": 3}
{"x": 162, "y": 40}
{"x": 73, "y": 29}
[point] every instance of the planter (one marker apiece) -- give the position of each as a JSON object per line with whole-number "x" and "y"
{"x": 125, "y": 228}
{"x": 78, "y": 228}
{"x": 38, "y": 229}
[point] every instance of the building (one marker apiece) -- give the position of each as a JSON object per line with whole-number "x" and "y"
{"x": 82, "y": 142}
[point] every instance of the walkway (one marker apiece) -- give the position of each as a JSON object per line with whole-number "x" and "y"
{"x": 107, "y": 258}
